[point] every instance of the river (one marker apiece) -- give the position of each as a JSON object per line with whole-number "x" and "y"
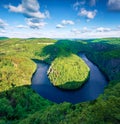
{"x": 89, "y": 91}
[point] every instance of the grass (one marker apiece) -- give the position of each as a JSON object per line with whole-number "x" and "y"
{"x": 69, "y": 72}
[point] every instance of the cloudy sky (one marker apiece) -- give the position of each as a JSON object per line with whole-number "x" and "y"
{"x": 60, "y": 18}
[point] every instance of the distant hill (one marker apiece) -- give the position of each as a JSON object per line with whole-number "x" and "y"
{"x": 3, "y": 38}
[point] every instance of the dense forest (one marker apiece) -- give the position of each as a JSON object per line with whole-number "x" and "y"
{"x": 19, "y": 104}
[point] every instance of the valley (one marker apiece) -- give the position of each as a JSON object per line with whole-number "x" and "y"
{"x": 21, "y": 104}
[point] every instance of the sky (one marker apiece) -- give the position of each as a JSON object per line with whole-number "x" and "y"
{"x": 60, "y": 18}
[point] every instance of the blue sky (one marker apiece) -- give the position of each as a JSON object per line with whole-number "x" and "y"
{"x": 60, "y": 18}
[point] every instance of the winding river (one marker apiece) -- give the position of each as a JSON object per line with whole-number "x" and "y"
{"x": 89, "y": 91}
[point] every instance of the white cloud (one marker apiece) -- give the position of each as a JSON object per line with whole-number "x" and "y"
{"x": 47, "y": 14}
{"x": 2, "y": 31}
{"x": 103, "y": 29}
{"x": 3, "y": 24}
{"x": 85, "y": 30}
{"x": 76, "y": 31}
{"x": 77, "y": 4}
{"x": 111, "y": 33}
{"x": 21, "y": 26}
{"x": 87, "y": 14}
{"x": 93, "y": 33}
{"x": 35, "y": 23}
{"x": 59, "y": 26}
{"x": 17, "y": 9}
{"x": 30, "y": 5}
{"x": 67, "y": 22}
{"x": 30, "y": 8}
{"x": 114, "y": 5}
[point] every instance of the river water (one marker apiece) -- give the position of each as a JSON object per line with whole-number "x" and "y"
{"x": 89, "y": 91}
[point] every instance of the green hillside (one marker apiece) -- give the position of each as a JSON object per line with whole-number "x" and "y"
{"x": 68, "y": 72}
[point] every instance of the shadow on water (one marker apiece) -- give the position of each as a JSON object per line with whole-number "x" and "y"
{"x": 89, "y": 91}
